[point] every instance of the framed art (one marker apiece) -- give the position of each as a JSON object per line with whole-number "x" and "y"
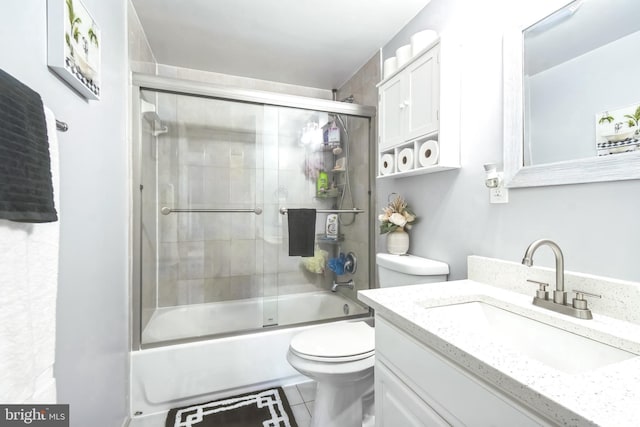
{"x": 617, "y": 130}
{"x": 74, "y": 46}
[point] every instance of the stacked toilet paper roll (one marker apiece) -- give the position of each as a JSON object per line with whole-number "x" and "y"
{"x": 422, "y": 39}
{"x": 428, "y": 153}
{"x": 405, "y": 160}
{"x": 386, "y": 164}
{"x": 403, "y": 55}
{"x": 390, "y": 66}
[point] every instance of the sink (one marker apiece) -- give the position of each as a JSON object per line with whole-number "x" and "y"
{"x": 621, "y": 135}
{"x": 554, "y": 347}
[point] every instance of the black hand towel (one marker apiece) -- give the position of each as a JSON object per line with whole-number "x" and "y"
{"x": 26, "y": 188}
{"x": 302, "y": 231}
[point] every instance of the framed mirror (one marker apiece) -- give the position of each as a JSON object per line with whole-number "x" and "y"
{"x": 571, "y": 94}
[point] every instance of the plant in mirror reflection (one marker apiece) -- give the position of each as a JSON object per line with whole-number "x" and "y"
{"x": 634, "y": 118}
{"x": 606, "y": 117}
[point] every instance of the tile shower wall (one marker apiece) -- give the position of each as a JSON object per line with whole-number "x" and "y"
{"x": 363, "y": 87}
{"x": 219, "y": 154}
{"x": 208, "y": 159}
{"x": 278, "y": 179}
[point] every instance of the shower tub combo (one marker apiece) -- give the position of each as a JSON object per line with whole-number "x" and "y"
{"x": 216, "y": 298}
{"x": 171, "y": 376}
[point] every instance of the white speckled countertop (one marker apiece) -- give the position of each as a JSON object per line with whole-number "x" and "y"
{"x": 608, "y": 396}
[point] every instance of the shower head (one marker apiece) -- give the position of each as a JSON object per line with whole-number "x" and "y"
{"x": 350, "y": 99}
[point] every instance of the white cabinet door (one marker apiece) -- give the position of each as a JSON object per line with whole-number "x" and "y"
{"x": 409, "y": 101}
{"x": 397, "y": 405}
{"x": 460, "y": 398}
{"x": 423, "y": 99}
{"x": 392, "y": 108}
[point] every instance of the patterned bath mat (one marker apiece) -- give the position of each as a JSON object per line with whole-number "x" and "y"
{"x": 265, "y": 408}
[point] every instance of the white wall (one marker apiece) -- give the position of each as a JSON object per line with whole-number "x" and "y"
{"x": 92, "y": 316}
{"x": 596, "y": 224}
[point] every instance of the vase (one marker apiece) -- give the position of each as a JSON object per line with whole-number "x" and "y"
{"x": 398, "y": 242}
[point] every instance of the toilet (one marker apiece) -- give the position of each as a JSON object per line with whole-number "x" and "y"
{"x": 340, "y": 356}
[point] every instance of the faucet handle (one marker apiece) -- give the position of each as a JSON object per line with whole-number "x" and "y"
{"x": 579, "y": 301}
{"x": 542, "y": 291}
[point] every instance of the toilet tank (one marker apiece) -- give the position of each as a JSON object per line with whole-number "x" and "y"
{"x": 399, "y": 270}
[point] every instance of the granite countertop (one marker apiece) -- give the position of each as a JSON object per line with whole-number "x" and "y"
{"x": 607, "y": 396}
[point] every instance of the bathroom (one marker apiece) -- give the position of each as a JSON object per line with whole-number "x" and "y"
{"x": 94, "y": 321}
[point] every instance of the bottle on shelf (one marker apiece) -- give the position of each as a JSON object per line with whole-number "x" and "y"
{"x": 332, "y": 227}
{"x": 322, "y": 184}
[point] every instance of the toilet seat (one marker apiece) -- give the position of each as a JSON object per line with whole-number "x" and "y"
{"x": 335, "y": 343}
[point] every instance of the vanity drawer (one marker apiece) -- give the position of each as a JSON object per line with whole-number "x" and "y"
{"x": 458, "y": 397}
{"x": 398, "y": 405}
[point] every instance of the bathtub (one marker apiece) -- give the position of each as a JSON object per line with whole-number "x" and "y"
{"x": 177, "y": 375}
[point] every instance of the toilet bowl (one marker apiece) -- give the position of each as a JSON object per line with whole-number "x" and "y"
{"x": 340, "y": 356}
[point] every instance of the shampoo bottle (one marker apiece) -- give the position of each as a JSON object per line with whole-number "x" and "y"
{"x": 332, "y": 227}
{"x": 322, "y": 184}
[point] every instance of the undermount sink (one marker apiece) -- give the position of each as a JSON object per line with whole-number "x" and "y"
{"x": 554, "y": 347}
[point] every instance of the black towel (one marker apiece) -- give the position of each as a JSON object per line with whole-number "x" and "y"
{"x": 302, "y": 231}
{"x": 26, "y": 188}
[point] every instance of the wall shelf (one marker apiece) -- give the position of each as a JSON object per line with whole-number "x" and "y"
{"x": 419, "y": 171}
{"x": 418, "y": 103}
{"x": 323, "y": 238}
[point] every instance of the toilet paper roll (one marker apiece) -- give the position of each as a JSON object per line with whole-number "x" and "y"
{"x": 390, "y": 66}
{"x": 386, "y": 164}
{"x": 422, "y": 39}
{"x": 428, "y": 153}
{"x": 405, "y": 160}
{"x": 403, "y": 55}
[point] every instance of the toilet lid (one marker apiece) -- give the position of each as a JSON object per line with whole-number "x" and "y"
{"x": 338, "y": 340}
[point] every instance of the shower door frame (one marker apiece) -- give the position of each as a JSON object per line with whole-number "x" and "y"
{"x": 140, "y": 82}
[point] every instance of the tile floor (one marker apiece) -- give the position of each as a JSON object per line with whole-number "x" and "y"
{"x": 300, "y": 396}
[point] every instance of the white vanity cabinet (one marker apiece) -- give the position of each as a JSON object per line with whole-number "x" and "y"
{"x": 415, "y": 386}
{"x": 420, "y": 102}
{"x": 410, "y": 100}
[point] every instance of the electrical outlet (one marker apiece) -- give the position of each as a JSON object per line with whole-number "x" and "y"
{"x": 499, "y": 195}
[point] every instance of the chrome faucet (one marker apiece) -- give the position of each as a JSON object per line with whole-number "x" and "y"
{"x": 559, "y": 295}
{"x": 348, "y": 284}
{"x": 558, "y": 303}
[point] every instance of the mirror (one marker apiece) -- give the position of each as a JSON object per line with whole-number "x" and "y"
{"x": 571, "y": 96}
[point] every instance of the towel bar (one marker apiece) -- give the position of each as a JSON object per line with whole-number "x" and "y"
{"x": 166, "y": 211}
{"x": 283, "y": 211}
{"x": 62, "y": 126}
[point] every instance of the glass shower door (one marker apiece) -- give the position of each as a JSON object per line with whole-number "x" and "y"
{"x": 215, "y": 176}
{"x": 201, "y": 202}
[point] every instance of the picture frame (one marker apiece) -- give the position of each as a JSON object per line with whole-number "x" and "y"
{"x": 73, "y": 46}
{"x": 617, "y": 131}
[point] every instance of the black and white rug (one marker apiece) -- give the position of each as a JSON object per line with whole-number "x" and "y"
{"x": 265, "y": 408}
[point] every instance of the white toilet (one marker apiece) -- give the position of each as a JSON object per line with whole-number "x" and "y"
{"x": 340, "y": 356}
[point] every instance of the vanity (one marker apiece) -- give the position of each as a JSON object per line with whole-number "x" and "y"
{"x": 477, "y": 352}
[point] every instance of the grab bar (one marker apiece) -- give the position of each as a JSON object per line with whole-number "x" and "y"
{"x": 283, "y": 211}
{"x": 166, "y": 211}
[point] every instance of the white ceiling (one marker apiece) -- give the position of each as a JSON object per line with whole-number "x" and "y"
{"x": 316, "y": 43}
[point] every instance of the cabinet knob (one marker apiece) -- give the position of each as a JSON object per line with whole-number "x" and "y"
{"x": 402, "y": 106}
